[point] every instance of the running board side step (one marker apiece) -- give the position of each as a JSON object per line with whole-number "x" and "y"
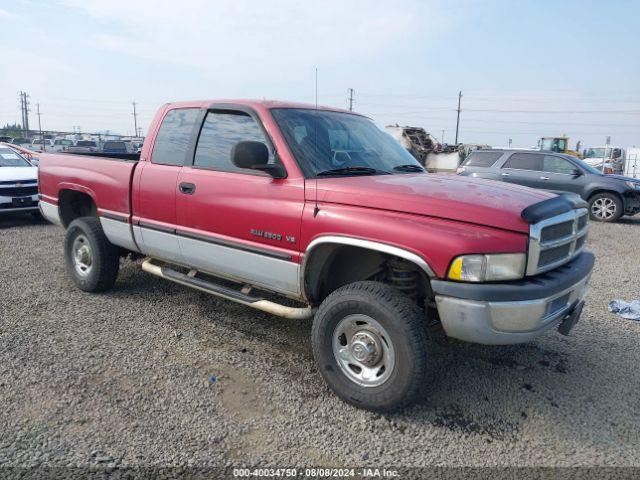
{"x": 227, "y": 293}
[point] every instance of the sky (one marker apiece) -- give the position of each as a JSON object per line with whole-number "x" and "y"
{"x": 526, "y": 69}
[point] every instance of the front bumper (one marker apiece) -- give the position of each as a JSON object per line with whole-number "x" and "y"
{"x": 631, "y": 202}
{"x": 512, "y": 312}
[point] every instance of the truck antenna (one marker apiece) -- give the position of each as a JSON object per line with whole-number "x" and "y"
{"x": 316, "y": 209}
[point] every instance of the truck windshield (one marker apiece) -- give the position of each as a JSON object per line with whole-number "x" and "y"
{"x": 597, "y": 153}
{"x": 554, "y": 144}
{"x": 341, "y": 143}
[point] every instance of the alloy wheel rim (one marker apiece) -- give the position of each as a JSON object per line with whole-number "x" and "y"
{"x": 604, "y": 208}
{"x": 82, "y": 256}
{"x": 363, "y": 350}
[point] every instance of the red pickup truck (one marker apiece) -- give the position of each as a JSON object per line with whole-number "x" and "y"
{"x": 309, "y": 212}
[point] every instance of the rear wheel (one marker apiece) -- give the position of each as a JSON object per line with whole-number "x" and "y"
{"x": 91, "y": 259}
{"x": 370, "y": 344}
{"x": 605, "y": 207}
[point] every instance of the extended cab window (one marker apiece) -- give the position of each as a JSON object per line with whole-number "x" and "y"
{"x": 482, "y": 159}
{"x": 172, "y": 141}
{"x": 220, "y": 132}
{"x": 524, "y": 161}
{"x": 553, "y": 164}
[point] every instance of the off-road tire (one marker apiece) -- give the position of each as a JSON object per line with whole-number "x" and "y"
{"x": 105, "y": 255}
{"x": 405, "y": 324}
{"x": 613, "y": 200}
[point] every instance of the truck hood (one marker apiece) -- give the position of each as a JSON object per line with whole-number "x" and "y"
{"x": 8, "y": 174}
{"x": 464, "y": 199}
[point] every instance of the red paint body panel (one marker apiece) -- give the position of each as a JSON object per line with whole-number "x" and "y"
{"x": 106, "y": 181}
{"x": 438, "y": 217}
{"x": 231, "y": 205}
{"x": 436, "y": 240}
{"x": 483, "y": 202}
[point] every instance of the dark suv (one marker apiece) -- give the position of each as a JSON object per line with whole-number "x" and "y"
{"x": 609, "y": 196}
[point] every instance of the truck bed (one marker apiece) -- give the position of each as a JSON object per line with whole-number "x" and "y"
{"x": 107, "y": 180}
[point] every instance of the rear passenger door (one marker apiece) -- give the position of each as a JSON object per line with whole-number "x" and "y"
{"x": 238, "y": 223}
{"x": 523, "y": 169}
{"x": 155, "y": 205}
{"x": 479, "y": 165}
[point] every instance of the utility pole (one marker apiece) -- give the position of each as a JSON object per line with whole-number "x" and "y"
{"x": 458, "y": 119}
{"x": 24, "y": 108}
{"x": 21, "y": 110}
{"x": 351, "y": 92}
{"x": 40, "y": 123}
{"x": 442, "y": 140}
{"x": 135, "y": 119}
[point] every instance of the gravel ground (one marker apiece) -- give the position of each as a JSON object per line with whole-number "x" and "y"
{"x": 124, "y": 379}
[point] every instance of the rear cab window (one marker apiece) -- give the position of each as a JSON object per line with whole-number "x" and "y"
{"x": 174, "y": 137}
{"x": 482, "y": 159}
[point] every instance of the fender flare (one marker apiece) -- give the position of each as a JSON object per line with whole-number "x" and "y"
{"x": 361, "y": 243}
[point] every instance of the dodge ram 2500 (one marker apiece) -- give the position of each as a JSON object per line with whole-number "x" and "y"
{"x": 257, "y": 201}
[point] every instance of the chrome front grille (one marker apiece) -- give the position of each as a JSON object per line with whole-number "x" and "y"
{"x": 556, "y": 240}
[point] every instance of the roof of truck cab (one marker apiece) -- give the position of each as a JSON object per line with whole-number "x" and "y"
{"x": 257, "y": 104}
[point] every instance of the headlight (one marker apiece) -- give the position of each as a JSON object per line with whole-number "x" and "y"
{"x": 633, "y": 185}
{"x": 488, "y": 268}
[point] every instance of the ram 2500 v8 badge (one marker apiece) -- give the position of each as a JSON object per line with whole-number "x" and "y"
{"x": 254, "y": 201}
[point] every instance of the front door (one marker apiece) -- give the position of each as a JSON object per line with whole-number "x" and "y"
{"x": 558, "y": 175}
{"x": 238, "y": 223}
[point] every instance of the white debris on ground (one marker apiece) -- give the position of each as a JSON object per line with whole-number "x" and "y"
{"x": 628, "y": 310}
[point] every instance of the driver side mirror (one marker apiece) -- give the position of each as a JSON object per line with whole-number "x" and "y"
{"x": 576, "y": 172}
{"x": 255, "y": 156}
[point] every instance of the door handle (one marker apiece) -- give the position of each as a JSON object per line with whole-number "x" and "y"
{"x": 187, "y": 188}
{"x": 505, "y": 174}
{"x": 544, "y": 178}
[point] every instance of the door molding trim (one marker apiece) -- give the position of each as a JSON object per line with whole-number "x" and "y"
{"x": 235, "y": 245}
{"x": 216, "y": 241}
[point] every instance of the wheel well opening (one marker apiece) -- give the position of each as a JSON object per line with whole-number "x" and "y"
{"x": 74, "y": 204}
{"x": 610, "y": 192}
{"x": 332, "y": 266}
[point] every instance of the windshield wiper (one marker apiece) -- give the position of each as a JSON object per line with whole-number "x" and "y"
{"x": 351, "y": 171}
{"x": 410, "y": 167}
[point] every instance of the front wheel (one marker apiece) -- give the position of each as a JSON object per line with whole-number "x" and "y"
{"x": 91, "y": 259}
{"x": 370, "y": 344}
{"x": 605, "y": 207}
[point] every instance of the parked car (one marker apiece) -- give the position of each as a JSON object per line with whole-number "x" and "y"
{"x": 83, "y": 146}
{"x": 41, "y": 145}
{"x": 613, "y": 158}
{"x": 61, "y": 144}
{"x": 609, "y": 196}
{"x": 22, "y": 141}
{"x": 118, "y": 147}
{"x": 18, "y": 183}
{"x": 5, "y": 139}
{"x": 30, "y": 155}
{"x": 321, "y": 208}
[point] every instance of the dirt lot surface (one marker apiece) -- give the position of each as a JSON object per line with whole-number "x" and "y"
{"x": 152, "y": 373}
